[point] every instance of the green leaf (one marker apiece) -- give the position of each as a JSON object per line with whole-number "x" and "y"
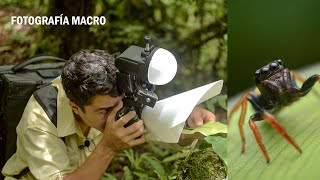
{"x": 130, "y": 155}
{"x": 209, "y": 128}
{"x": 204, "y": 145}
{"x": 156, "y": 165}
{"x": 127, "y": 173}
{"x": 210, "y": 106}
{"x": 219, "y": 145}
{"x": 301, "y": 121}
{"x": 222, "y": 100}
{"x": 108, "y": 176}
{"x": 158, "y": 151}
{"x": 157, "y": 14}
{"x": 176, "y": 156}
{"x": 161, "y": 177}
{"x": 141, "y": 176}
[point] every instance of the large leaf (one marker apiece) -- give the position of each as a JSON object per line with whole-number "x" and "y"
{"x": 301, "y": 121}
{"x": 207, "y": 131}
{"x": 209, "y": 128}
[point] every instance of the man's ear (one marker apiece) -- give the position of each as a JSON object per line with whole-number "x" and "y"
{"x": 76, "y": 109}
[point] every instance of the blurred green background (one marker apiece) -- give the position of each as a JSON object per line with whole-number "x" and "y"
{"x": 194, "y": 31}
{"x": 262, "y": 31}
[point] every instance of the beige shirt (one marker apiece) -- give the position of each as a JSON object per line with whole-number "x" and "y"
{"x": 40, "y": 146}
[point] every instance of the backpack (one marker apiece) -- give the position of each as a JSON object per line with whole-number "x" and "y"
{"x": 17, "y": 84}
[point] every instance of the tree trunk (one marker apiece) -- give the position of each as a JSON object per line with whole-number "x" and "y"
{"x": 65, "y": 40}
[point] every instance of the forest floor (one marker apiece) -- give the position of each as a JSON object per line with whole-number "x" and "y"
{"x": 16, "y": 41}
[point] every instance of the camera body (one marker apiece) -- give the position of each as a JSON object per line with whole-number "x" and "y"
{"x": 132, "y": 80}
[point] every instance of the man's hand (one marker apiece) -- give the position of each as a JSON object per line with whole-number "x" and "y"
{"x": 115, "y": 139}
{"x": 118, "y": 138}
{"x": 199, "y": 116}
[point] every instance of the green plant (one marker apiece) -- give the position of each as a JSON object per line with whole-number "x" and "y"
{"x": 146, "y": 165}
{"x": 213, "y": 134}
{"x": 108, "y": 176}
{"x": 19, "y": 3}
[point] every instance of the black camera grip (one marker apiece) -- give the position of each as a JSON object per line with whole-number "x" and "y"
{"x": 123, "y": 111}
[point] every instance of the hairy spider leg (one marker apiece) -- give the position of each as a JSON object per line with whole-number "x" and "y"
{"x": 242, "y": 116}
{"x": 310, "y": 83}
{"x": 240, "y": 124}
{"x": 255, "y": 130}
{"x": 263, "y": 114}
{"x": 243, "y": 103}
{"x": 270, "y": 119}
{"x": 238, "y": 104}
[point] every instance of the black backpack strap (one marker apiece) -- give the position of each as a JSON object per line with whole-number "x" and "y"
{"x": 47, "y": 98}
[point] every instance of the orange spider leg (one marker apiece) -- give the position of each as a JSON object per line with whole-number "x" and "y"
{"x": 240, "y": 124}
{"x": 240, "y": 102}
{"x": 257, "y": 135}
{"x": 243, "y": 102}
{"x": 298, "y": 76}
{"x": 270, "y": 119}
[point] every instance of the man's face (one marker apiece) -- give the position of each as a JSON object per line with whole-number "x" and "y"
{"x": 95, "y": 115}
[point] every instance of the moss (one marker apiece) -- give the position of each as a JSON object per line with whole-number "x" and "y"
{"x": 202, "y": 164}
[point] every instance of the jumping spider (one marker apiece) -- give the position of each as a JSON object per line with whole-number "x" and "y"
{"x": 278, "y": 88}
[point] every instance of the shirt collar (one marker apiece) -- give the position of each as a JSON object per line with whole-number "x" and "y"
{"x": 66, "y": 122}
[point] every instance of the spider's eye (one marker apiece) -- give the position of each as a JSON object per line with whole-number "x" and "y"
{"x": 265, "y": 70}
{"x": 280, "y": 62}
{"x": 273, "y": 66}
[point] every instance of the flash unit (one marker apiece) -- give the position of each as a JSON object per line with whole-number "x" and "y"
{"x": 145, "y": 67}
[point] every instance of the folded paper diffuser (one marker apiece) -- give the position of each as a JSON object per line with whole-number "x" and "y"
{"x": 167, "y": 118}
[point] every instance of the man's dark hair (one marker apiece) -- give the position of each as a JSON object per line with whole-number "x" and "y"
{"x": 88, "y": 73}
